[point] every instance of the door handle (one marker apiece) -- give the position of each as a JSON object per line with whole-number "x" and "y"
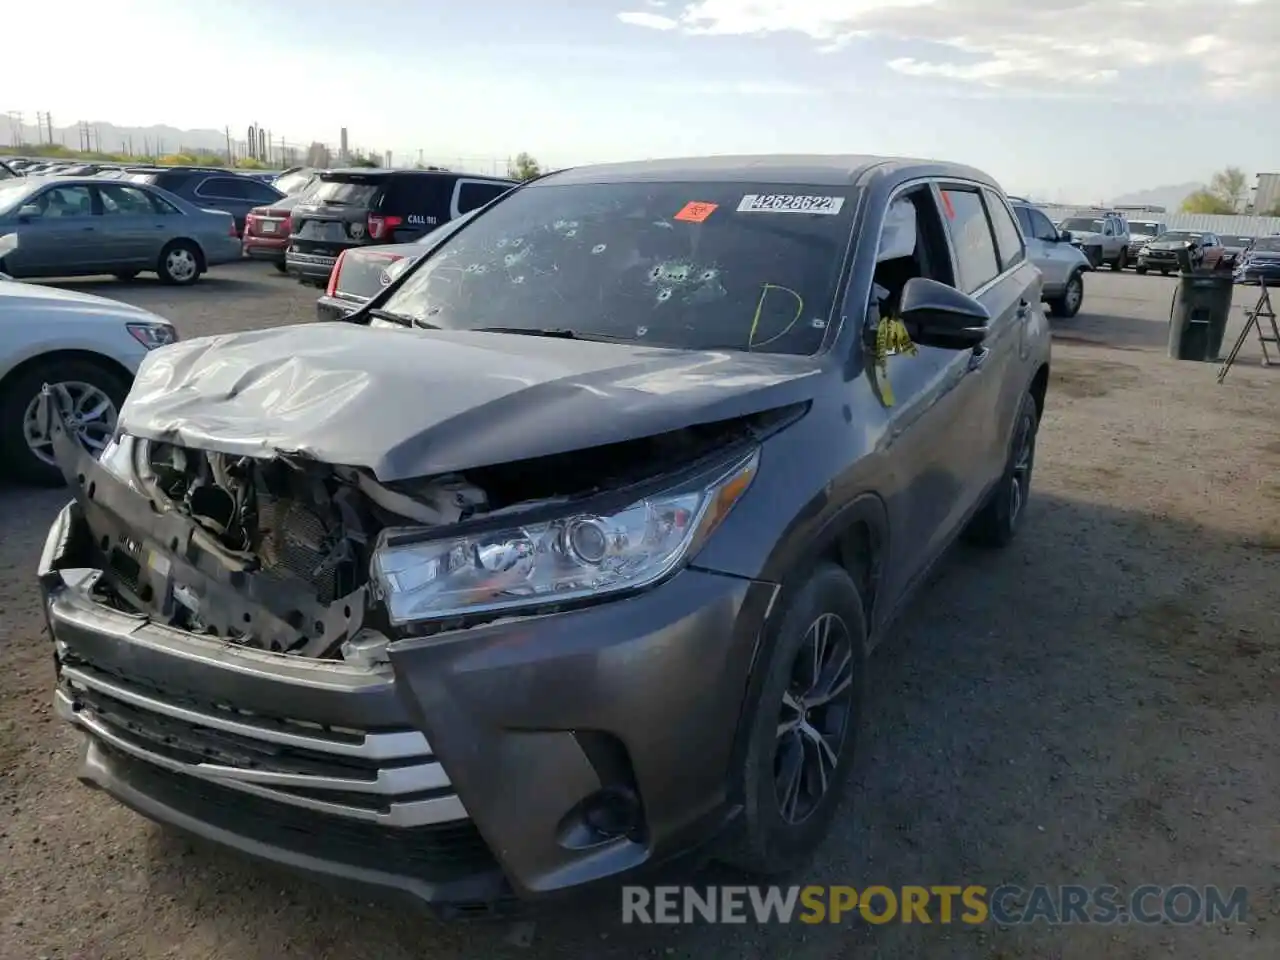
{"x": 88, "y": 229}
{"x": 979, "y": 357}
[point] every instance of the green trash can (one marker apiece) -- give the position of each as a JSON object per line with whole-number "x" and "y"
{"x": 1198, "y": 318}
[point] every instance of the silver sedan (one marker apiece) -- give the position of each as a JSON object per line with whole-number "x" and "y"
{"x": 80, "y": 226}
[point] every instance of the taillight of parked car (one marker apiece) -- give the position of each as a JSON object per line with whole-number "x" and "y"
{"x": 380, "y": 227}
{"x": 231, "y": 228}
{"x": 333, "y": 274}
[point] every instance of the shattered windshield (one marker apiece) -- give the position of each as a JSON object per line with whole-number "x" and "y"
{"x": 689, "y": 265}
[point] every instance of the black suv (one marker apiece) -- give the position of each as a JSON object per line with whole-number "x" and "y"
{"x": 211, "y": 189}
{"x": 361, "y": 206}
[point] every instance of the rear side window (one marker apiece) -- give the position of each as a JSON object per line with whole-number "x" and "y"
{"x": 349, "y": 191}
{"x": 415, "y": 196}
{"x": 225, "y": 188}
{"x": 1008, "y": 236}
{"x": 1024, "y": 221}
{"x": 971, "y": 237}
{"x": 472, "y": 195}
{"x": 261, "y": 192}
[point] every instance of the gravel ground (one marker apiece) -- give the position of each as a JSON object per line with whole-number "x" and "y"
{"x": 1099, "y": 703}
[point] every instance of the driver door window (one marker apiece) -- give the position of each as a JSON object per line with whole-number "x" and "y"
{"x": 1042, "y": 227}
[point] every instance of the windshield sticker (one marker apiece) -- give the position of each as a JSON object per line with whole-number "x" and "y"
{"x": 946, "y": 204}
{"x": 789, "y": 203}
{"x": 695, "y": 211}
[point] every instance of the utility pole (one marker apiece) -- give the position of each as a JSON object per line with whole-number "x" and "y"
{"x": 48, "y": 122}
{"x": 230, "y": 159}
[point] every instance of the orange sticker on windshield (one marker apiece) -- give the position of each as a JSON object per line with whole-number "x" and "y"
{"x": 946, "y": 203}
{"x": 695, "y": 211}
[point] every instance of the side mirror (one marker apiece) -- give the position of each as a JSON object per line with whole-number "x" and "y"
{"x": 1064, "y": 236}
{"x": 937, "y": 315}
{"x": 28, "y": 212}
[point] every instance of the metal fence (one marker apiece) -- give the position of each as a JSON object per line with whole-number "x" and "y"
{"x": 1232, "y": 226}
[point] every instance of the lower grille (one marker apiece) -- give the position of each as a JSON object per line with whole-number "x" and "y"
{"x": 432, "y": 853}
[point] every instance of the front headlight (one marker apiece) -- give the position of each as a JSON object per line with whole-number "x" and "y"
{"x": 1144, "y": 251}
{"x": 570, "y": 558}
{"x": 152, "y": 334}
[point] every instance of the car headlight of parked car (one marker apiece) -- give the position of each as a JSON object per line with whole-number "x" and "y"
{"x": 571, "y": 558}
{"x": 1144, "y": 251}
{"x": 152, "y": 333}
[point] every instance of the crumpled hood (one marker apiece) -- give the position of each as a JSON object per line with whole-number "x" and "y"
{"x": 410, "y": 403}
{"x": 20, "y": 300}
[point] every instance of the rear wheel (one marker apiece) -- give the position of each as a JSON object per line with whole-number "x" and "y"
{"x": 281, "y": 268}
{"x": 1140, "y": 269}
{"x": 804, "y": 726}
{"x": 1068, "y": 303}
{"x": 1121, "y": 261}
{"x": 997, "y": 522}
{"x": 1164, "y": 271}
{"x": 96, "y": 393}
{"x": 179, "y": 263}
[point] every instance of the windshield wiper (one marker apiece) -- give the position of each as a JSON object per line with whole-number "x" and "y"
{"x": 562, "y": 333}
{"x": 403, "y": 318}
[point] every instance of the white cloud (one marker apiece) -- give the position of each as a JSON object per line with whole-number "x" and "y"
{"x": 1227, "y": 48}
{"x": 654, "y": 21}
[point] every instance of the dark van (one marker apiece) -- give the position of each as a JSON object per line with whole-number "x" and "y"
{"x": 363, "y": 206}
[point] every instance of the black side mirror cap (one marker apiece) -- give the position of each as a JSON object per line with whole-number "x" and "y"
{"x": 938, "y": 315}
{"x": 1064, "y": 236}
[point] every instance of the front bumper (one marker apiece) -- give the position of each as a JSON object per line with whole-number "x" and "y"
{"x": 1254, "y": 272}
{"x": 309, "y": 266}
{"x": 457, "y": 774}
{"x": 1158, "y": 261}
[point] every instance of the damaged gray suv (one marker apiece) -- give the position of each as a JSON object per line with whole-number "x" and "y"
{"x": 564, "y": 556}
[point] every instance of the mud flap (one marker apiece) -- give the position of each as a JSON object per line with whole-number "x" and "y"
{"x": 150, "y": 553}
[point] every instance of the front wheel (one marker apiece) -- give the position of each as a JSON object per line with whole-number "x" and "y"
{"x": 1140, "y": 270}
{"x": 998, "y": 520}
{"x": 179, "y": 263}
{"x": 1164, "y": 271}
{"x": 281, "y": 268}
{"x": 96, "y": 393}
{"x": 804, "y": 726}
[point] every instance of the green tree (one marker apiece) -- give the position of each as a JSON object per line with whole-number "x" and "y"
{"x": 1205, "y": 200}
{"x": 524, "y": 167}
{"x": 1231, "y": 185}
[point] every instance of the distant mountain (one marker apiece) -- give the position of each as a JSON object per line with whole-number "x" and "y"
{"x": 109, "y": 138}
{"x": 1170, "y": 197}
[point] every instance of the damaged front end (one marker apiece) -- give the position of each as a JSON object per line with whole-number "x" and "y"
{"x": 295, "y": 557}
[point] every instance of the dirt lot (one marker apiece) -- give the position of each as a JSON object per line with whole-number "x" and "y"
{"x": 1100, "y": 703}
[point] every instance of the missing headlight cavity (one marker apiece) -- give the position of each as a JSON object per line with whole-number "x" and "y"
{"x": 298, "y": 537}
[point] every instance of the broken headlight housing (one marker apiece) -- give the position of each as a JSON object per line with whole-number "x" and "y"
{"x": 571, "y": 558}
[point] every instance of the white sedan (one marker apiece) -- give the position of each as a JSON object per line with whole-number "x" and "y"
{"x": 90, "y": 345}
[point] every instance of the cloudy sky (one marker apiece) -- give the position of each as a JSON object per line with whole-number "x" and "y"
{"x": 1067, "y": 99}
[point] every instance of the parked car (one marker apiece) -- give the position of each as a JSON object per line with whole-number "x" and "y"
{"x": 89, "y": 346}
{"x": 1142, "y": 232}
{"x": 1061, "y": 263}
{"x": 1260, "y": 262}
{"x": 212, "y": 189}
{"x": 362, "y": 272}
{"x": 1204, "y": 250}
{"x": 70, "y": 227}
{"x": 267, "y": 229}
{"x": 7, "y": 172}
{"x": 1233, "y": 247}
{"x": 577, "y": 567}
{"x": 364, "y": 206}
{"x": 1104, "y": 238}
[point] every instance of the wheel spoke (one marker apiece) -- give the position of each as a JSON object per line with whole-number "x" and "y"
{"x": 835, "y": 681}
{"x": 790, "y": 778}
{"x": 98, "y": 411}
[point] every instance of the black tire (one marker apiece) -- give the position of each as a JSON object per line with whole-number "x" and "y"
{"x": 281, "y": 268}
{"x": 1095, "y": 256}
{"x": 1140, "y": 270}
{"x": 766, "y": 842}
{"x": 1121, "y": 261}
{"x": 1164, "y": 271}
{"x": 127, "y": 275}
{"x": 18, "y": 392}
{"x": 1068, "y": 304}
{"x": 997, "y": 522}
{"x": 178, "y": 252}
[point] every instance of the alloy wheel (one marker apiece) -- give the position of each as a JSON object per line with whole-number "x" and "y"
{"x": 814, "y": 718}
{"x": 90, "y": 418}
{"x": 1075, "y": 293}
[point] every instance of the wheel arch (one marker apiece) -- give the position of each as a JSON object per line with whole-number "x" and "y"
{"x": 64, "y": 355}
{"x": 1039, "y": 388}
{"x": 201, "y": 263}
{"x": 854, "y": 537}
